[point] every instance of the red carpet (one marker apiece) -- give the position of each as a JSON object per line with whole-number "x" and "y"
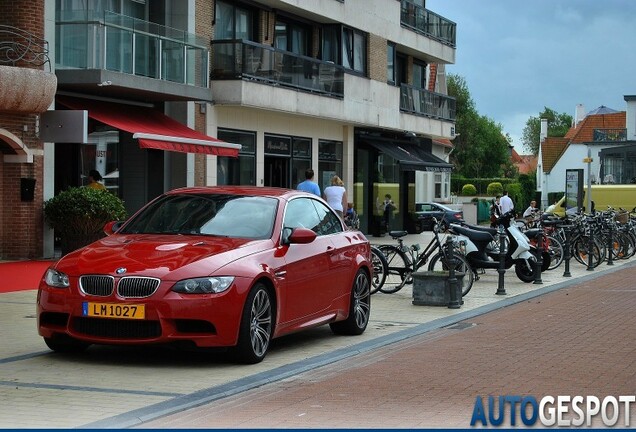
{"x": 21, "y": 275}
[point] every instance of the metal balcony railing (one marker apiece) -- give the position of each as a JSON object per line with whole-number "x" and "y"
{"x": 428, "y": 23}
{"x": 19, "y": 47}
{"x": 92, "y": 40}
{"x": 240, "y": 59}
{"x": 610, "y": 135}
{"x": 423, "y": 102}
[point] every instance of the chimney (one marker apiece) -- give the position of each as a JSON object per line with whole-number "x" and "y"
{"x": 543, "y": 134}
{"x": 579, "y": 114}
{"x": 630, "y": 120}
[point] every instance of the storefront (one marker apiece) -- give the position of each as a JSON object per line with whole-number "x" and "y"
{"x": 386, "y": 165}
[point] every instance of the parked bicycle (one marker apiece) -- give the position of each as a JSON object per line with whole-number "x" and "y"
{"x": 380, "y": 269}
{"x": 404, "y": 260}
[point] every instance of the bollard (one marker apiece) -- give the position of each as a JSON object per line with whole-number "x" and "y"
{"x": 590, "y": 251}
{"x": 567, "y": 251}
{"x": 539, "y": 262}
{"x": 454, "y": 302}
{"x": 610, "y": 247}
{"x": 502, "y": 261}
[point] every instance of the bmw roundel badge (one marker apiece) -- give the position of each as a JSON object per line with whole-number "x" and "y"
{"x": 121, "y": 270}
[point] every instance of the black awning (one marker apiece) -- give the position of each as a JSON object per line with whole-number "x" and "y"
{"x": 411, "y": 157}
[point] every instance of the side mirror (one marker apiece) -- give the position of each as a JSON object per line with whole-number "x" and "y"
{"x": 112, "y": 227}
{"x": 301, "y": 236}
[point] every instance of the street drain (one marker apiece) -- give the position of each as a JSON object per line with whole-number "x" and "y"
{"x": 461, "y": 326}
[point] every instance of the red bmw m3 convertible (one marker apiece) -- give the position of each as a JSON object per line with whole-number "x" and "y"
{"x": 226, "y": 266}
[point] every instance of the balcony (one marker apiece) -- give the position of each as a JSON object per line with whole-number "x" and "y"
{"x": 426, "y": 103}
{"x": 126, "y": 52}
{"x": 246, "y": 60}
{"x": 30, "y": 89}
{"x": 609, "y": 135}
{"x": 428, "y": 23}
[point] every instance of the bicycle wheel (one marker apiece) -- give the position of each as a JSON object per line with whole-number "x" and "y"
{"x": 581, "y": 251}
{"x": 398, "y": 269}
{"x": 555, "y": 249}
{"x": 380, "y": 268}
{"x": 438, "y": 263}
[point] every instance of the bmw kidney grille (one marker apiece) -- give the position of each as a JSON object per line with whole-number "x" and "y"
{"x": 129, "y": 286}
{"x": 137, "y": 287}
{"x": 97, "y": 285}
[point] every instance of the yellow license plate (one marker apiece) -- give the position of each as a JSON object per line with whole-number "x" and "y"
{"x": 114, "y": 310}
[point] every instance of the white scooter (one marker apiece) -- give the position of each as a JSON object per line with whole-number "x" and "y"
{"x": 519, "y": 253}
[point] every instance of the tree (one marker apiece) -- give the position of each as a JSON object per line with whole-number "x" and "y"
{"x": 558, "y": 126}
{"x": 481, "y": 149}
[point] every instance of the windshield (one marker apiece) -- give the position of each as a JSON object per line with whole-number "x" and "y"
{"x": 206, "y": 214}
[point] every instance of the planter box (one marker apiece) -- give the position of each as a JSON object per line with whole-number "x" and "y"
{"x": 432, "y": 288}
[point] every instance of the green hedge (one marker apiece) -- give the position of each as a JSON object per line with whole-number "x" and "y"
{"x": 481, "y": 184}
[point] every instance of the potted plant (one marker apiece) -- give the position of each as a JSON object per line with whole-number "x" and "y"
{"x": 78, "y": 215}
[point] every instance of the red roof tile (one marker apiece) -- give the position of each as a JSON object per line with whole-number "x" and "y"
{"x": 584, "y": 132}
{"x": 551, "y": 150}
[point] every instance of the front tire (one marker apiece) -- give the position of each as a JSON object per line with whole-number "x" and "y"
{"x": 359, "y": 307}
{"x": 255, "y": 333}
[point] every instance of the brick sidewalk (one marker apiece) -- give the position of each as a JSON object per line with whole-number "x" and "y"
{"x": 575, "y": 341}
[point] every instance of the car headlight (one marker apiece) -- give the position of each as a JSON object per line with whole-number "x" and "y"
{"x": 204, "y": 285}
{"x": 56, "y": 279}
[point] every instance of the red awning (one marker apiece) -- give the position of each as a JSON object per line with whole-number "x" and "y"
{"x": 152, "y": 128}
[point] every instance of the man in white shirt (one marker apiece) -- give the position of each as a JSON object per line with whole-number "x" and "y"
{"x": 506, "y": 203}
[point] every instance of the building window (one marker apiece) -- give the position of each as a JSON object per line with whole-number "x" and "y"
{"x": 301, "y": 159}
{"x": 390, "y": 63}
{"x": 329, "y": 162}
{"x": 354, "y": 49}
{"x": 438, "y": 185}
{"x": 330, "y": 44}
{"x": 419, "y": 74}
{"x": 241, "y": 170}
{"x": 292, "y": 36}
{"x": 400, "y": 69}
{"x": 233, "y": 22}
{"x": 101, "y": 153}
{"x": 345, "y": 46}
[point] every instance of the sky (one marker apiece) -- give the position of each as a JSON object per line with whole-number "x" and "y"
{"x": 519, "y": 56}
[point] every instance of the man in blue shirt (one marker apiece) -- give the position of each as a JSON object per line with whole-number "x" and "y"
{"x": 308, "y": 185}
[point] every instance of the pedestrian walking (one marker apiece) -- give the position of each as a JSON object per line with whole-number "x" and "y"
{"x": 336, "y": 196}
{"x": 308, "y": 185}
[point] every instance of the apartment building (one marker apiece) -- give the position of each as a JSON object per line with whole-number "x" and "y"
{"x": 158, "y": 94}
{"x": 346, "y": 87}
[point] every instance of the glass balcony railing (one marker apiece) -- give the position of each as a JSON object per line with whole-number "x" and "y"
{"x": 428, "y": 23}
{"x": 240, "y": 59}
{"x": 91, "y": 40}
{"x": 610, "y": 135}
{"x": 423, "y": 102}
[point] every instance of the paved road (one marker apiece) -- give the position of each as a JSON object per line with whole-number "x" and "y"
{"x": 414, "y": 366}
{"x": 578, "y": 340}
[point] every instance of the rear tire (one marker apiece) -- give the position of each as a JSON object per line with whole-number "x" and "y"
{"x": 255, "y": 333}
{"x": 380, "y": 269}
{"x": 526, "y": 269}
{"x": 461, "y": 266}
{"x": 359, "y": 307}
